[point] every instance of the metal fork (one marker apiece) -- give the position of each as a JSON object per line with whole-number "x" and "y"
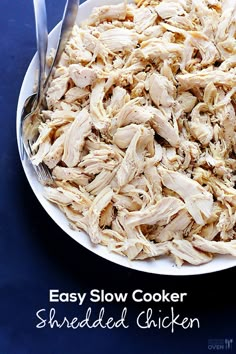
{"x": 30, "y": 112}
{"x": 30, "y": 117}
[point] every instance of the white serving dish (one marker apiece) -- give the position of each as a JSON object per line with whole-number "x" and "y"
{"x": 163, "y": 265}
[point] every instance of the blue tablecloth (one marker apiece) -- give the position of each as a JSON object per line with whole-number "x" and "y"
{"x": 35, "y": 255}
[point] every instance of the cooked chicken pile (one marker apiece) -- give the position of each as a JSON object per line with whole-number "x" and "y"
{"x": 140, "y": 129}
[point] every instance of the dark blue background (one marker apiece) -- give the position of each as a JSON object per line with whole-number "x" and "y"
{"x": 35, "y": 255}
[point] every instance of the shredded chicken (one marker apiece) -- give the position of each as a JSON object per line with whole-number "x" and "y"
{"x": 140, "y": 129}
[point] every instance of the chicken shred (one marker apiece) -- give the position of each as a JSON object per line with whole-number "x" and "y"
{"x": 140, "y": 129}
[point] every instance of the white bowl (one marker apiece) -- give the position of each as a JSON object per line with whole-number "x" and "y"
{"x": 163, "y": 265}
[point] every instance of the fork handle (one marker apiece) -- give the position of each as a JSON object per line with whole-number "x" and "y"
{"x": 42, "y": 43}
{"x": 67, "y": 23}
